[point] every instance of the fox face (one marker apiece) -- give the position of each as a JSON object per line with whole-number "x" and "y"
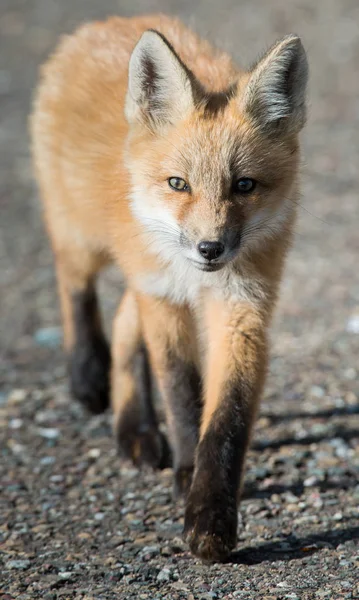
{"x": 213, "y": 174}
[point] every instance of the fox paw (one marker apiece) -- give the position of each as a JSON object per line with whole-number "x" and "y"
{"x": 144, "y": 444}
{"x": 210, "y": 528}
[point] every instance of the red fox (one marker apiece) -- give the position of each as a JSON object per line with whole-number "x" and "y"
{"x": 154, "y": 151}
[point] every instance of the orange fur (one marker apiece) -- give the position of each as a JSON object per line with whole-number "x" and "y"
{"x": 239, "y": 343}
{"x": 126, "y": 340}
{"x": 79, "y": 134}
{"x": 103, "y": 179}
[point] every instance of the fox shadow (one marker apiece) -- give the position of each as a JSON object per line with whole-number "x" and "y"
{"x": 321, "y": 414}
{"x": 348, "y": 480}
{"x": 291, "y": 547}
{"x": 337, "y": 431}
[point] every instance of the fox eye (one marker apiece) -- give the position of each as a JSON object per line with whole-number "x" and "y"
{"x": 178, "y": 184}
{"x": 244, "y": 185}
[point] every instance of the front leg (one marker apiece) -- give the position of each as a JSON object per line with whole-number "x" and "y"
{"x": 170, "y": 337}
{"x": 235, "y": 372}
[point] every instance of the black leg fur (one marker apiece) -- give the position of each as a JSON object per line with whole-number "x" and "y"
{"x": 90, "y": 360}
{"x": 184, "y": 405}
{"x": 211, "y": 510}
{"x": 138, "y": 435}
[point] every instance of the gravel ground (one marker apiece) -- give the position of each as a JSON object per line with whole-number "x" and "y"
{"x": 75, "y": 521}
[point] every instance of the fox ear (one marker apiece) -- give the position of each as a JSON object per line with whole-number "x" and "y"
{"x": 275, "y": 96}
{"x": 159, "y": 85}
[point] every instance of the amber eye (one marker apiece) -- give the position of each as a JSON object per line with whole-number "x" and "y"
{"x": 244, "y": 185}
{"x": 178, "y": 184}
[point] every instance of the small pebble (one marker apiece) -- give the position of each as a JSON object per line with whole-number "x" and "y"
{"x": 317, "y": 391}
{"x": 17, "y": 396}
{"x": 350, "y": 373}
{"x": 99, "y": 516}
{"x": 94, "y": 453}
{"x": 47, "y": 460}
{"x": 45, "y": 415}
{"x": 21, "y": 565}
{"x": 164, "y": 575}
{"x": 49, "y": 337}
{"x": 65, "y": 575}
{"x": 49, "y": 433}
{"x": 346, "y": 584}
{"x": 353, "y": 324}
{"x": 177, "y": 545}
{"x": 15, "y": 423}
{"x": 17, "y": 448}
{"x": 311, "y": 481}
{"x": 150, "y": 551}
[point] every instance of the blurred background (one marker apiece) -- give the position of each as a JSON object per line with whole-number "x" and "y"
{"x": 310, "y": 408}
{"x": 321, "y": 288}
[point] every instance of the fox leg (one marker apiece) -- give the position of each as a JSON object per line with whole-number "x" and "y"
{"x": 131, "y": 391}
{"x": 169, "y": 335}
{"x": 235, "y": 371}
{"x": 85, "y": 343}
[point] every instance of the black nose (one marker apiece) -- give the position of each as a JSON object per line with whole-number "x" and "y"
{"x": 210, "y": 250}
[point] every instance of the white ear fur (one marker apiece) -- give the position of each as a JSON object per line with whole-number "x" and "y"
{"x": 159, "y": 85}
{"x": 276, "y": 91}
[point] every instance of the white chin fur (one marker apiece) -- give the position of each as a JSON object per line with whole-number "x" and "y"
{"x": 179, "y": 280}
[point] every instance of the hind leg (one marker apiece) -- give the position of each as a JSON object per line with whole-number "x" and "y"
{"x": 135, "y": 420}
{"x": 85, "y": 343}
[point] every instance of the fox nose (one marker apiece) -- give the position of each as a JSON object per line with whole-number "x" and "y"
{"x": 210, "y": 250}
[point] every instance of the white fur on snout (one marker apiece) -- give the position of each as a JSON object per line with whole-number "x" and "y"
{"x": 266, "y": 225}
{"x": 154, "y": 215}
{"x": 176, "y": 277}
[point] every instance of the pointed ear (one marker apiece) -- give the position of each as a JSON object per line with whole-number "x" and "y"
{"x": 275, "y": 96}
{"x": 160, "y": 87}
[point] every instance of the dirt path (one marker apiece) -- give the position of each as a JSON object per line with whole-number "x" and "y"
{"x": 75, "y": 522}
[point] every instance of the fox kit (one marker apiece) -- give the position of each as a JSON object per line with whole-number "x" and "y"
{"x": 154, "y": 151}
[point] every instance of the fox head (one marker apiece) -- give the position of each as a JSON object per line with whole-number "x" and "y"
{"x": 213, "y": 174}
